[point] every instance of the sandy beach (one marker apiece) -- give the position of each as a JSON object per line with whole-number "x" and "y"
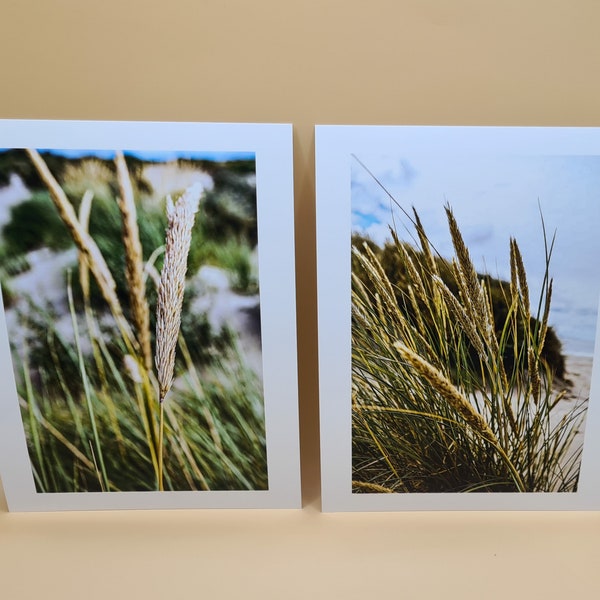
{"x": 579, "y": 373}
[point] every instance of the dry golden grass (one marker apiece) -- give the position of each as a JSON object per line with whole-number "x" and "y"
{"x": 436, "y": 405}
{"x": 134, "y": 261}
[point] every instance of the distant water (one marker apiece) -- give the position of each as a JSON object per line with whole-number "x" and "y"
{"x": 578, "y": 348}
{"x": 575, "y": 326}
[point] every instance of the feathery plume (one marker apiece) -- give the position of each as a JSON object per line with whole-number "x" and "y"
{"x": 180, "y": 214}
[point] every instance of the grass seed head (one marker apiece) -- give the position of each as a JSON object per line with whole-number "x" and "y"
{"x": 447, "y": 390}
{"x": 134, "y": 260}
{"x": 181, "y": 215}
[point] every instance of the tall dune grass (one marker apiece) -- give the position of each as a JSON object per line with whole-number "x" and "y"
{"x": 436, "y": 405}
{"x": 96, "y": 418}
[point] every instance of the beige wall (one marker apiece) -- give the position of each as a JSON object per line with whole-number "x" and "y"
{"x": 516, "y": 62}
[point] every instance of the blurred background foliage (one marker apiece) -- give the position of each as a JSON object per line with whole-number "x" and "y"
{"x": 225, "y": 234}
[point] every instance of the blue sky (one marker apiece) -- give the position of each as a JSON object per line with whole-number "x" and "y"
{"x": 159, "y": 155}
{"x": 494, "y": 198}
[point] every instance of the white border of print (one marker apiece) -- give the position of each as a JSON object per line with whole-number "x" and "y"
{"x": 334, "y": 146}
{"x": 272, "y": 145}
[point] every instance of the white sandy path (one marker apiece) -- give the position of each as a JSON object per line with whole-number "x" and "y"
{"x": 44, "y": 285}
{"x": 44, "y": 282}
{"x": 223, "y": 307}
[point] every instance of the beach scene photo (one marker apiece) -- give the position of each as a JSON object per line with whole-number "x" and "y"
{"x": 475, "y": 286}
{"x": 130, "y": 288}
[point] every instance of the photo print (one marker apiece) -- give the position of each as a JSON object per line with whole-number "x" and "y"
{"x": 146, "y": 337}
{"x": 467, "y": 295}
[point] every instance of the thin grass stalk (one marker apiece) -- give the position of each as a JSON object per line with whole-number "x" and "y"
{"x": 416, "y": 310}
{"x": 150, "y": 406}
{"x": 546, "y": 294}
{"x": 185, "y": 449}
{"x": 85, "y": 209}
{"x": 103, "y": 480}
{"x": 145, "y": 410}
{"x": 183, "y": 467}
{"x": 413, "y": 274}
{"x": 161, "y": 434}
{"x": 371, "y": 487}
{"x": 35, "y": 434}
{"x": 134, "y": 261}
{"x": 425, "y": 245}
{"x": 99, "y": 475}
{"x": 199, "y": 388}
{"x": 56, "y": 433}
{"x": 544, "y": 326}
{"x": 405, "y": 411}
{"x": 72, "y": 405}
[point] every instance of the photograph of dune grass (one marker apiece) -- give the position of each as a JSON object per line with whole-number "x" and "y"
{"x": 131, "y": 294}
{"x": 474, "y": 300}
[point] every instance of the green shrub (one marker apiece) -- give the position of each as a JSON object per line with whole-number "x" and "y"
{"x": 35, "y": 224}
